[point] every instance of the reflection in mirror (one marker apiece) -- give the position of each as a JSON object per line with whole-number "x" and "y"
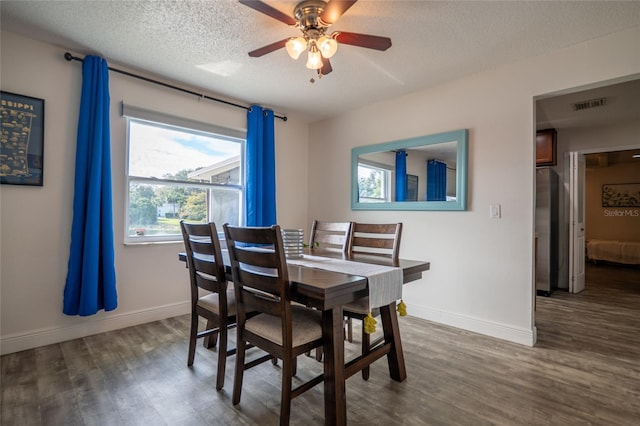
{"x": 435, "y": 164}
{"x": 425, "y": 173}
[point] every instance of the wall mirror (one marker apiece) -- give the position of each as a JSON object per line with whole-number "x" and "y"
{"x": 423, "y": 173}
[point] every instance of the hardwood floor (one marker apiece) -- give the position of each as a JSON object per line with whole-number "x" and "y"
{"x": 584, "y": 370}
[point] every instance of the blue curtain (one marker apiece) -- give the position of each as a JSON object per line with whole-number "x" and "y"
{"x": 91, "y": 278}
{"x": 401, "y": 175}
{"x": 261, "y": 167}
{"x": 436, "y": 180}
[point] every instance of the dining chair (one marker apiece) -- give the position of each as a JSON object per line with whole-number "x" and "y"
{"x": 330, "y": 235}
{"x": 374, "y": 239}
{"x": 211, "y": 297}
{"x": 280, "y": 328}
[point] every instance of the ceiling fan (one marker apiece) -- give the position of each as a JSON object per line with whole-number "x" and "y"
{"x": 313, "y": 18}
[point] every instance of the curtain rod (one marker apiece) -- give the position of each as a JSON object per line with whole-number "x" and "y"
{"x": 69, "y": 57}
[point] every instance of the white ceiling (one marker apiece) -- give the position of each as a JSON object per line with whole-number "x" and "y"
{"x": 433, "y": 42}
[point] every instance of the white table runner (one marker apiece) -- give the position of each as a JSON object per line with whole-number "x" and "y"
{"x": 384, "y": 282}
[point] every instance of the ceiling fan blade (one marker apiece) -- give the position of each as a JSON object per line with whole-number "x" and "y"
{"x": 326, "y": 67}
{"x": 364, "y": 40}
{"x": 334, "y": 9}
{"x": 268, "y": 48}
{"x": 269, "y": 11}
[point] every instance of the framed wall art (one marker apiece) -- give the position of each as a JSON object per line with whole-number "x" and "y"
{"x": 21, "y": 139}
{"x": 621, "y": 195}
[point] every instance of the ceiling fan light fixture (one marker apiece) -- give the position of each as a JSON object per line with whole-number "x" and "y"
{"x": 327, "y": 46}
{"x": 295, "y": 46}
{"x": 313, "y": 18}
{"x": 314, "y": 60}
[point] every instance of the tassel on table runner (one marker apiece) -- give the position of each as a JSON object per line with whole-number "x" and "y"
{"x": 370, "y": 324}
{"x": 402, "y": 308}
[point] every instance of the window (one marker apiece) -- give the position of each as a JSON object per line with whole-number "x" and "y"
{"x": 177, "y": 172}
{"x": 374, "y": 183}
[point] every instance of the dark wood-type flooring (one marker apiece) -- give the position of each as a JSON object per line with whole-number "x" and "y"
{"x": 584, "y": 370}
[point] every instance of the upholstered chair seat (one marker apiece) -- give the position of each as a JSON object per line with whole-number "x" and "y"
{"x": 305, "y": 326}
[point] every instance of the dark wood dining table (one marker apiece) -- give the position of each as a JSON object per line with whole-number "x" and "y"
{"x": 328, "y": 291}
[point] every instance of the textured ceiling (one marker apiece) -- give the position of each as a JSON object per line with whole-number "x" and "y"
{"x": 204, "y": 44}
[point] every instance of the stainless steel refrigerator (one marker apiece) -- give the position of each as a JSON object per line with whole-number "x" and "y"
{"x": 547, "y": 200}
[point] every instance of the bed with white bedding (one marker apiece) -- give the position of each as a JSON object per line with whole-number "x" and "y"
{"x": 625, "y": 252}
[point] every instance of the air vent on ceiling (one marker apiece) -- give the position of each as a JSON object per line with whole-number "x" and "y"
{"x": 591, "y": 103}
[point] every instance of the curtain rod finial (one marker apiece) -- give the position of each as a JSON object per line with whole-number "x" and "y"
{"x": 68, "y": 56}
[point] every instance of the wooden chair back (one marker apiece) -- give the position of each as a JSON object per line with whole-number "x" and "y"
{"x": 381, "y": 239}
{"x": 204, "y": 259}
{"x": 330, "y": 235}
{"x": 260, "y": 274}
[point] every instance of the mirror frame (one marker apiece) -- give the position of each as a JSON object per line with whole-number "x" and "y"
{"x": 460, "y": 136}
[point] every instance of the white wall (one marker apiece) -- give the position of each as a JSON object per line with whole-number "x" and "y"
{"x": 35, "y": 221}
{"x": 481, "y": 269}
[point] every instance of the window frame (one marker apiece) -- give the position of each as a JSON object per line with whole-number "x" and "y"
{"x": 388, "y": 178}
{"x": 161, "y": 120}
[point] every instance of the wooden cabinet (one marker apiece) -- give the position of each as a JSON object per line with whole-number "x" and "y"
{"x": 546, "y": 147}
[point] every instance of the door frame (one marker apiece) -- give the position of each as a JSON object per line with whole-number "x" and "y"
{"x": 577, "y": 180}
{"x": 535, "y": 100}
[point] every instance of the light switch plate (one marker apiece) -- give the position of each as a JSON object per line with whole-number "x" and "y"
{"x": 494, "y": 211}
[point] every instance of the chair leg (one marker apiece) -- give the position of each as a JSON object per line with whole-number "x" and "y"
{"x": 366, "y": 339}
{"x": 211, "y": 339}
{"x": 237, "y": 382}
{"x": 349, "y": 330}
{"x": 318, "y": 355}
{"x": 222, "y": 355}
{"x": 288, "y": 367}
{"x": 193, "y": 337}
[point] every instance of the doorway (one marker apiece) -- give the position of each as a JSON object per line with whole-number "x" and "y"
{"x": 600, "y": 120}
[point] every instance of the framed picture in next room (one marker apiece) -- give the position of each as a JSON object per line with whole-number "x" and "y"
{"x": 621, "y": 195}
{"x": 21, "y": 139}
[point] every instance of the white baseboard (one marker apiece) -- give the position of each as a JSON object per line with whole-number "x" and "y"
{"x": 501, "y": 331}
{"x": 20, "y": 342}
{"x": 89, "y": 326}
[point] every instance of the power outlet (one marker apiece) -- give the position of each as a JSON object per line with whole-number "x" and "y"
{"x": 494, "y": 211}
